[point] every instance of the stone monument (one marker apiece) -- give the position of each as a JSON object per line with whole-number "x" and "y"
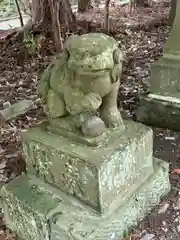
{"x": 90, "y": 174}
{"x": 161, "y": 107}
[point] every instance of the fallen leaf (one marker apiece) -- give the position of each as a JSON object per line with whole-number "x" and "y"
{"x": 176, "y": 171}
{"x": 3, "y": 165}
{"x": 178, "y": 203}
{"x": 162, "y": 238}
{"x": 148, "y": 237}
{"x": 170, "y": 138}
{"x": 163, "y": 208}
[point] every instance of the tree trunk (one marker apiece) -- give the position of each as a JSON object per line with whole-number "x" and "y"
{"x": 49, "y": 16}
{"x": 83, "y": 5}
{"x": 55, "y": 8}
{"x": 41, "y": 13}
{"x": 66, "y": 15}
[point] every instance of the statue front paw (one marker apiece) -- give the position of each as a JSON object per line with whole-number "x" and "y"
{"x": 111, "y": 117}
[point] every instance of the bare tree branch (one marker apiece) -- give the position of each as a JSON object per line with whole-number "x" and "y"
{"x": 106, "y": 19}
{"x": 19, "y": 12}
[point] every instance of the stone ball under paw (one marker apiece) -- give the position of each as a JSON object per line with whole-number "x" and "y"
{"x": 93, "y": 127}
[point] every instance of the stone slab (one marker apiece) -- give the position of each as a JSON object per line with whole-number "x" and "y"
{"x": 16, "y": 110}
{"x": 160, "y": 111}
{"x": 38, "y": 214}
{"x": 94, "y": 175}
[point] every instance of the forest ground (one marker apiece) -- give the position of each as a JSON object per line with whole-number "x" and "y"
{"x": 141, "y": 36}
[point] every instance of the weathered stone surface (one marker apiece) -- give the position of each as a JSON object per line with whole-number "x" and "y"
{"x": 37, "y": 211}
{"x": 15, "y": 110}
{"x": 84, "y": 78}
{"x": 160, "y": 111}
{"x": 94, "y": 175}
{"x": 75, "y": 127}
{"x": 165, "y": 75}
{"x": 165, "y": 72}
{"x": 161, "y": 108}
{"x": 26, "y": 209}
{"x": 93, "y": 127}
{"x": 172, "y": 44}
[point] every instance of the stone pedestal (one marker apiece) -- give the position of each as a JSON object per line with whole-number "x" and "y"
{"x": 161, "y": 107}
{"x": 74, "y": 191}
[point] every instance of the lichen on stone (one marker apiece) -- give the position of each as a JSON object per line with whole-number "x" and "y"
{"x": 84, "y": 78}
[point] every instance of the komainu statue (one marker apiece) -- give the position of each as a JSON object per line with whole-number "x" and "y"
{"x": 79, "y": 88}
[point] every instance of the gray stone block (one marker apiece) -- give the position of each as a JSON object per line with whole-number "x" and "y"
{"x": 94, "y": 175}
{"x": 37, "y": 211}
{"x": 159, "y": 111}
{"x": 161, "y": 108}
{"x": 165, "y": 75}
{"x": 15, "y": 110}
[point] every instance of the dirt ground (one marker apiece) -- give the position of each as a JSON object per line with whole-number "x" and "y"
{"x": 141, "y": 37}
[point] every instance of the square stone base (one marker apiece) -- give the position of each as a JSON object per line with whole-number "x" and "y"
{"x": 95, "y": 175}
{"x": 159, "y": 111}
{"x": 36, "y": 211}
